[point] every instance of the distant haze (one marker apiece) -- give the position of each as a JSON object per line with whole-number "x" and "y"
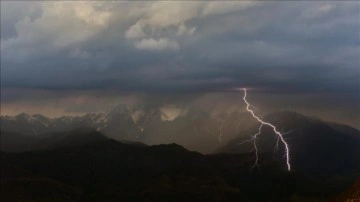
{"x": 72, "y": 58}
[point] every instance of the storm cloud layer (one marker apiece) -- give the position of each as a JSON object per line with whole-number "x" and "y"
{"x": 180, "y": 47}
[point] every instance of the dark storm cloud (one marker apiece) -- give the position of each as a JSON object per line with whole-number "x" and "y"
{"x": 276, "y": 47}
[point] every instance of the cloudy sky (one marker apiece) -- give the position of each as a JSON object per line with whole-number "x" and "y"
{"x": 76, "y": 57}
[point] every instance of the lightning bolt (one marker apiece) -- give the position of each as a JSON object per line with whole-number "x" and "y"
{"x": 262, "y": 123}
{"x": 253, "y": 140}
{"x": 276, "y": 148}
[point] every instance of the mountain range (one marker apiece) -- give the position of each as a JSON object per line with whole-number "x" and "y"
{"x": 108, "y": 157}
{"x": 195, "y": 129}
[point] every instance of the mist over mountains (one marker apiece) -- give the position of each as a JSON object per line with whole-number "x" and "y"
{"x": 196, "y": 129}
